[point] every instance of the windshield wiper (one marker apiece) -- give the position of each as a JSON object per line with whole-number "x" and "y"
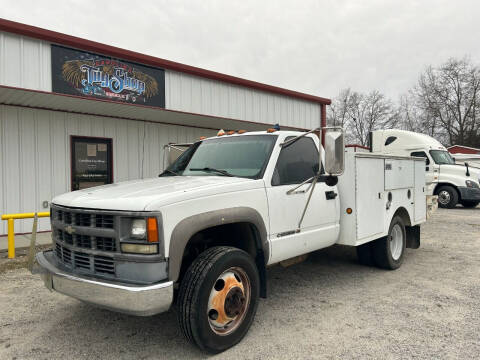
{"x": 170, "y": 172}
{"x": 209, "y": 169}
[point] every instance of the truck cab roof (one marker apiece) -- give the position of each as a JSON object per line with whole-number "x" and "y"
{"x": 264, "y": 132}
{"x": 392, "y": 140}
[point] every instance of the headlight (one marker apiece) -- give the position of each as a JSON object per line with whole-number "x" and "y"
{"x": 141, "y": 235}
{"x": 471, "y": 184}
{"x": 139, "y": 228}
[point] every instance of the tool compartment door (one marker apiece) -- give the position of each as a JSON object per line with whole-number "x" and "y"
{"x": 370, "y": 197}
{"x": 398, "y": 174}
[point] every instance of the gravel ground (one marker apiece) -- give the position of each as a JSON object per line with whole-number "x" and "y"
{"x": 327, "y": 307}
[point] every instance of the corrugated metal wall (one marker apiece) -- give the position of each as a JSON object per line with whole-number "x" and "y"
{"x": 25, "y": 62}
{"x": 35, "y": 153}
{"x": 189, "y": 93}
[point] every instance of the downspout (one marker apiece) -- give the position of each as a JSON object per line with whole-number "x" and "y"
{"x": 323, "y": 121}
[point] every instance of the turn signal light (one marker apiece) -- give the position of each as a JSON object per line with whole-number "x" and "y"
{"x": 271, "y": 130}
{"x": 152, "y": 229}
{"x": 241, "y": 131}
{"x": 349, "y": 211}
{"x": 231, "y": 132}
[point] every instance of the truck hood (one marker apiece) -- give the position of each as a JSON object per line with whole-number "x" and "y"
{"x": 137, "y": 195}
{"x": 461, "y": 170}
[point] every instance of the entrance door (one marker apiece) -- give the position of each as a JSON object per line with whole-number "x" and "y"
{"x": 91, "y": 162}
{"x": 320, "y": 227}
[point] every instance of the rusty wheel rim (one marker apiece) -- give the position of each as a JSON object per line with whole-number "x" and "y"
{"x": 229, "y": 300}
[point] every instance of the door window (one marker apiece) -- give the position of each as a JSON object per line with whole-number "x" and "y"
{"x": 296, "y": 163}
{"x": 91, "y": 162}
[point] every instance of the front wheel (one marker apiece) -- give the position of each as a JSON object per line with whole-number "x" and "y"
{"x": 469, "y": 204}
{"x": 447, "y": 197}
{"x": 218, "y": 298}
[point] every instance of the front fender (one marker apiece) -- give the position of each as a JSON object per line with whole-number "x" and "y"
{"x": 189, "y": 226}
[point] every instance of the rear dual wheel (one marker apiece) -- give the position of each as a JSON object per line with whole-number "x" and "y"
{"x": 387, "y": 252}
{"x": 218, "y": 298}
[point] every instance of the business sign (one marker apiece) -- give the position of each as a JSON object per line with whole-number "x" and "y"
{"x": 86, "y": 74}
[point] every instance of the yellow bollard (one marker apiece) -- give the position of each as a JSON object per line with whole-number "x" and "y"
{"x": 11, "y": 239}
{"x": 11, "y": 233}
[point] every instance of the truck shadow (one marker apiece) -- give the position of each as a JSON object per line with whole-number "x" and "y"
{"x": 460, "y": 207}
{"x": 100, "y": 333}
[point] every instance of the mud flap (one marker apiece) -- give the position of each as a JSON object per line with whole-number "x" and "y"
{"x": 413, "y": 236}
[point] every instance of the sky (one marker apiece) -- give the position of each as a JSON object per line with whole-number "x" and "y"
{"x": 316, "y": 47}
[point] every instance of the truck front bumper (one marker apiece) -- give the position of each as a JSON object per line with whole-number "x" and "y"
{"x": 469, "y": 194}
{"x": 135, "y": 300}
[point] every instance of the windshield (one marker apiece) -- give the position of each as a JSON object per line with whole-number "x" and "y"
{"x": 242, "y": 156}
{"x": 442, "y": 157}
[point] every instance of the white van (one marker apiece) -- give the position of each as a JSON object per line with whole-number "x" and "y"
{"x": 452, "y": 183}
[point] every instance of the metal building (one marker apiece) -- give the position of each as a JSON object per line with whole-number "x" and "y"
{"x": 76, "y": 113}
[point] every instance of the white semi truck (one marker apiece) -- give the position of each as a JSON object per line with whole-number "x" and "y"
{"x": 453, "y": 183}
{"x": 201, "y": 235}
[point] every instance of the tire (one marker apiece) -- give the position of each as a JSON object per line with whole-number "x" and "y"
{"x": 447, "y": 197}
{"x": 469, "y": 204}
{"x": 388, "y": 252}
{"x": 365, "y": 254}
{"x": 218, "y": 279}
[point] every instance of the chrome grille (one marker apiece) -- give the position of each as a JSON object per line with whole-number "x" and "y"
{"x": 85, "y": 262}
{"x": 84, "y": 239}
{"x": 82, "y": 260}
{"x": 106, "y": 244}
{"x": 104, "y": 221}
{"x": 103, "y": 264}
{"x": 63, "y": 254}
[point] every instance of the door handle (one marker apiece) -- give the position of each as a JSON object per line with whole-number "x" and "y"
{"x": 330, "y": 195}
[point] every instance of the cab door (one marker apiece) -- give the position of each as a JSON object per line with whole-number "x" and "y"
{"x": 320, "y": 227}
{"x": 431, "y": 169}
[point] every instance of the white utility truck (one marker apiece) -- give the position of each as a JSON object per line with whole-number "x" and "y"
{"x": 202, "y": 234}
{"x": 452, "y": 183}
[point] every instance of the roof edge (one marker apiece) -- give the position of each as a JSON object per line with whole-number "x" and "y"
{"x": 93, "y": 46}
{"x": 463, "y": 146}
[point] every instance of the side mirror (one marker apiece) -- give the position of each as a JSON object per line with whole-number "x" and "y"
{"x": 334, "y": 151}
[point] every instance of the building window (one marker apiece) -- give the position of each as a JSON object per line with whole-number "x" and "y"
{"x": 91, "y": 162}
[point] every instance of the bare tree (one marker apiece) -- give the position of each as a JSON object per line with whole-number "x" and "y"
{"x": 361, "y": 113}
{"x": 339, "y": 112}
{"x": 411, "y": 117}
{"x": 447, "y": 99}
